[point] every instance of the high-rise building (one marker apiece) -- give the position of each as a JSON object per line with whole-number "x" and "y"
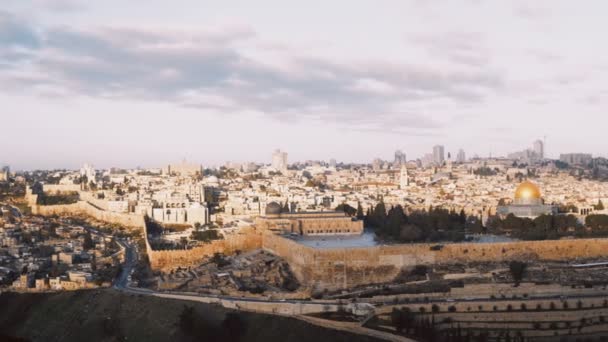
{"x": 333, "y": 163}
{"x": 438, "y": 154}
{"x": 400, "y": 158}
{"x": 377, "y": 164}
{"x": 4, "y": 173}
{"x": 461, "y": 156}
{"x": 279, "y": 160}
{"x": 404, "y": 180}
{"x": 539, "y": 149}
{"x": 89, "y": 172}
{"x": 576, "y": 158}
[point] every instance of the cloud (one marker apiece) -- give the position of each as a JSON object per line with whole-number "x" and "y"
{"x": 16, "y": 33}
{"x": 466, "y": 48}
{"x": 60, "y": 5}
{"x": 211, "y": 70}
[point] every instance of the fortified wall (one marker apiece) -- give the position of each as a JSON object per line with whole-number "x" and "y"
{"x": 341, "y": 268}
{"x": 349, "y": 267}
{"x": 165, "y": 260}
{"x": 87, "y": 209}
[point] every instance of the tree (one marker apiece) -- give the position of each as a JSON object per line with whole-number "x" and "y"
{"x": 379, "y": 217}
{"x": 233, "y": 326}
{"x": 88, "y": 243}
{"x": 518, "y": 270}
{"x": 473, "y": 225}
{"x": 599, "y": 205}
{"x": 186, "y": 320}
{"x": 285, "y": 208}
{"x": 350, "y": 211}
{"x": 463, "y": 217}
{"x": 394, "y": 221}
{"x": 410, "y": 233}
{"x": 402, "y": 319}
{"x": 360, "y": 215}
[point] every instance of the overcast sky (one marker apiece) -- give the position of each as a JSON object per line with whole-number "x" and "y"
{"x": 148, "y": 82}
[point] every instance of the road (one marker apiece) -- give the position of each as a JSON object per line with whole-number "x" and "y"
{"x": 122, "y": 280}
{"x": 122, "y": 283}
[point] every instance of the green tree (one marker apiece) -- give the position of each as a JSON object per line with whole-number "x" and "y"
{"x": 88, "y": 243}
{"x": 285, "y": 208}
{"x": 379, "y": 217}
{"x": 463, "y": 217}
{"x": 518, "y": 270}
{"x": 350, "y": 211}
{"x": 395, "y": 220}
{"x": 360, "y": 215}
{"x": 233, "y": 326}
{"x": 599, "y": 205}
{"x": 186, "y": 320}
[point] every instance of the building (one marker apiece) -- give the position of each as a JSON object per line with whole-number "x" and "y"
{"x": 530, "y": 156}
{"x": 183, "y": 169}
{"x": 88, "y": 171}
{"x": 404, "y": 180}
{"x": 186, "y": 213}
{"x": 438, "y": 154}
{"x": 576, "y": 158}
{"x": 279, "y": 160}
{"x": 400, "y": 158}
{"x": 461, "y": 156}
{"x": 308, "y": 223}
{"x": 377, "y": 164}
{"x": 539, "y": 149}
{"x": 4, "y": 173}
{"x": 527, "y": 203}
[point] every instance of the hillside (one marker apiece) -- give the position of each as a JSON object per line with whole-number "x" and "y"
{"x": 108, "y": 315}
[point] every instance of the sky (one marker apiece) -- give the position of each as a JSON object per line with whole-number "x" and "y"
{"x": 148, "y": 82}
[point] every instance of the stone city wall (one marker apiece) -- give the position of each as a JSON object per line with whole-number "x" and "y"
{"x": 61, "y": 188}
{"x": 341, "y": 268}
{"x": 85, "y": 208}
{"x": 349, "y": 267}
{"x": 165, "y": 260}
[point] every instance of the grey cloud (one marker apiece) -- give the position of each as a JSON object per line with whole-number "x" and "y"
{"x": 207, "y": 70}
{"x": 15, "y": 32}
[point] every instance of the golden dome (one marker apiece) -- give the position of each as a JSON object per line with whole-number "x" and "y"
{"x": 527, "y": 190}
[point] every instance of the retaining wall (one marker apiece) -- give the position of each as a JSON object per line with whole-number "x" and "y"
{"x": 349, "y": 267}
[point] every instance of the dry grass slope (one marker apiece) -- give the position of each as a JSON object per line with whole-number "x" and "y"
{"x": 107, "y": 315}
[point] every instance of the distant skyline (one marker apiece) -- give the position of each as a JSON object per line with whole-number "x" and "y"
{"x": 151, "y": 82}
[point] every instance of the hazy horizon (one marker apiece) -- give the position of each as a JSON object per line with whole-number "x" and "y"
{"x": 147, "y": 83}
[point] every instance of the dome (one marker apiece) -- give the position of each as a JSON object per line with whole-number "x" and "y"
{"x": 527, "y": 191}
{"x": 273, "y": 208}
